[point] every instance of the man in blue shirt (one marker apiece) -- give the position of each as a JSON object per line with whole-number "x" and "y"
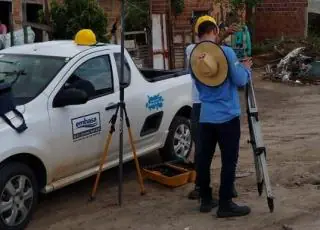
{"x": 196, "y": 106}
{"x": 220, "y": 123}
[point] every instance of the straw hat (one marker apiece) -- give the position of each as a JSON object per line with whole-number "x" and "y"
{"x": 209, "y": 64}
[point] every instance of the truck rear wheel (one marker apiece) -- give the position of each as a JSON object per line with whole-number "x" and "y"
{"x": 179, "y": 140}
{"x": 18, "y": 196}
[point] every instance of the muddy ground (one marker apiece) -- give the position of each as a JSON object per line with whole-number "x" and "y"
{"x": 291, "y": 126}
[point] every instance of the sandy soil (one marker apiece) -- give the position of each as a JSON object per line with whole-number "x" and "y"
{"x": 291, "y": 128}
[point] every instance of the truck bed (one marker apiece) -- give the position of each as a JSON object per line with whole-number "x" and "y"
{"x": 154, "y": 75}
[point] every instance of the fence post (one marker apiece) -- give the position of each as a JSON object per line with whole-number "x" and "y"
{"x": 11, "y": 27}
{"x": 24, "y": 20}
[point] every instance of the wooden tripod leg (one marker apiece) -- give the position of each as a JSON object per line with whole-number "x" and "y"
{"x": 142, "y": 189}
{"x": 103, "y": 159}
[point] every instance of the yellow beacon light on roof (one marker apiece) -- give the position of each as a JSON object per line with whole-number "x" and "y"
{"x": 85, "y": 37}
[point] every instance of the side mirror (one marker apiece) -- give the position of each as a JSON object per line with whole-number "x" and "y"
{"x": 70, "y": 96}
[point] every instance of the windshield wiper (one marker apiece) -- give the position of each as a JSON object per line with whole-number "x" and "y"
{"x": 19, "y": 72}
{"x": 8, "y": 62}
{"x": 11, "y": 73}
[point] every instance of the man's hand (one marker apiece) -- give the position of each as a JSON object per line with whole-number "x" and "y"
{"x": 232, "y": 29}
{"x": 247, "y": 62}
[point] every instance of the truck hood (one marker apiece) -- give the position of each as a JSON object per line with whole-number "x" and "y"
{"x": 12, "y": 115}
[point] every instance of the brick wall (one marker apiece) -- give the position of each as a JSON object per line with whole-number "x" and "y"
{"x": 112, "y": 9}
{"x": 182, "y": 21}
{"x": 17, "y": 12}
{"x": 181, "y": 24}
{"x": 159, "y": 6}
{"x": 275, "y": 18}
{"x": 182, "y": 27}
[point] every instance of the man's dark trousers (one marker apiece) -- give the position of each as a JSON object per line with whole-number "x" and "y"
{"x": 196, "y": 108}
{"x": 227, "y": 135}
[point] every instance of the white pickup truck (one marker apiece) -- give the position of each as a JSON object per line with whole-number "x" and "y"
{"x": 67, "y": 128}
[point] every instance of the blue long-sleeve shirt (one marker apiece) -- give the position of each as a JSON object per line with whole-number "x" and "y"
{"x": 222, "y": 104}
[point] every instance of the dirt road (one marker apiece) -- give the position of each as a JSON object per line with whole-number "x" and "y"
{"x": 291, "y": 128}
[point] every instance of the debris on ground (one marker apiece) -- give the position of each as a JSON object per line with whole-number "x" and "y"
{"x": 295, "y": 62}
{"x": 243, "y": 174}
{"x": 286, "y": 227}
{"x": 295, "y": 67}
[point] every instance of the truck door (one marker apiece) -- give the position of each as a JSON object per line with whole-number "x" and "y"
{"x": 79, "y": 131}
{"x": 136, "y": 95}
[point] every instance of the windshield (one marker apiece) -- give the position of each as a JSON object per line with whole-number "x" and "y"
{"x": 29, "y": 74}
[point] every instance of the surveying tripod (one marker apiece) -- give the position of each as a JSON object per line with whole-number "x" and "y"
{"x": 121, "y": 106}
{"x": 256, "y": 141}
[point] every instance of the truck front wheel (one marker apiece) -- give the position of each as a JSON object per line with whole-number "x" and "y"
{"x": 179, "y": 140}
{"x": 18, "y": 195}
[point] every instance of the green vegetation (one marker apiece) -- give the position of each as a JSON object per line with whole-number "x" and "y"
{"x": 73, "y": 15}
{"x": 137, "y": 14}
{"x": 177, "y": 6}
{"x": 238, "y": 4}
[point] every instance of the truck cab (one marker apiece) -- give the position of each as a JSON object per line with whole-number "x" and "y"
{"x": 67, "y": 94}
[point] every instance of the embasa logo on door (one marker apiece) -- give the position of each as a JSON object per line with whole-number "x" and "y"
{"x": 87, "y": 123}
{"x": 86, "y": 126}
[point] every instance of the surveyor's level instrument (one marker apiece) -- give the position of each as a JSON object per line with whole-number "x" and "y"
{"x": 259, "y": 150}
{"x": 241, "y": 43}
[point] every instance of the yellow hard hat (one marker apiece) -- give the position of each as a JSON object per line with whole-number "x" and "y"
{"x": 85, "y": 37}
{"x": 202, "y": 19}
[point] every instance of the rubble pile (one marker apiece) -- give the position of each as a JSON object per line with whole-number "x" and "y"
{"x": 298, "y": 62}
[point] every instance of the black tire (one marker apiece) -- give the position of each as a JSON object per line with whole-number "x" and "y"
{"x": 168, "y": 153}
{"x": 7, "y": 173}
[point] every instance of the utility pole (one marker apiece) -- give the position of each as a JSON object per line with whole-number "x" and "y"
{"x": 24, "y": 21}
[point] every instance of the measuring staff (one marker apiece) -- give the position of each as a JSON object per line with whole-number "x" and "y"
{"x": 241, "y": 44}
